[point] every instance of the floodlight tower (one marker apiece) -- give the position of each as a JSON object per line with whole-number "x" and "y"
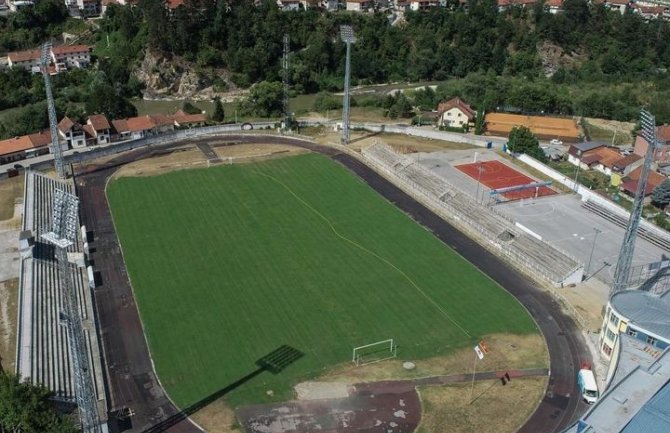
{"x": 62, "y": 235}
{"x": 56, "y": 151}
{"x": 285, "y": 79}
{"x": 348, "y": 37}
{"x": 622, "y": 270}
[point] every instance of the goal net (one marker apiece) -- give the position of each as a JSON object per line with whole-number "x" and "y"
{"x": 374, "y": 352}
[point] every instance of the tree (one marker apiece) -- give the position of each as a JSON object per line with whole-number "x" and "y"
{"x": 218, "y": 113}
{"x": 265, "y": 99}
{"x": 660, "y": 196}
{"x": 189, "y": 108}
{"x": 27, "y": 408}
{"x": 521, "y": 140}
{"x": 106, "y": 99}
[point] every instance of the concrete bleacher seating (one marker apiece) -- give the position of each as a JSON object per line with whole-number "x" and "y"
{"x": 622, "y": 221}
{"x": 43, "y": 354}
{"x": 496, "y": 230}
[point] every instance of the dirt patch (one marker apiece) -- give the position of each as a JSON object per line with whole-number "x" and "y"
{"x": 489, "y": 407}
{"x": 10, "y": 190}
{"x": 319, "y": 390}
{"x": 184, "y": 158}
{"x": 506, "y": 352}
{"x": 401, "y": 143}
{"x": 611, "y": 131}
{"x": 217, "y": 417}
{"x": 9, "y": 297}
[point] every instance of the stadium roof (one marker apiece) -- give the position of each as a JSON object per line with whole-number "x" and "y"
{"x": 638, "y": 403}
{"x": 648, "y": 311}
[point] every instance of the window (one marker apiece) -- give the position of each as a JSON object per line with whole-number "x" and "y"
{"x": 614, "y": 320}
{"x": 632, "y": 332}
{"x": 607, "y": 349}
{"x": 610, "y": 335}
{"x": 651, "y": 340}
{"x": 460, "y": 114}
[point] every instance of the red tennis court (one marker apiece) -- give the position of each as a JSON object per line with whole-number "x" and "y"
{"x": 496, "y": 175}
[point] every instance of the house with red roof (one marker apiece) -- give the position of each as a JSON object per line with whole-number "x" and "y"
{"x": 141, "y": 126}
{"x": 27, "y": 60}
{"x": 182, "y": 119}
{"x": 72, "y": 133}
{"x": 630, "y": 183}
{"x": 662, "y": 152}
{"x": 99, "y": 129}
{"x": 26, "y": 146}
{"x": 455, "y": 113}
{"x": 71, "y": 56}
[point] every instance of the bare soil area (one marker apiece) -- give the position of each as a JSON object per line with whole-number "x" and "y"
{"x": 490, "y": 406}
{"x": 217, "y": 417}
{"x": 401, "y": 143}
{"x": 10, "y": 190}
{"x": 185, "y": 158}
{"x": 9, "y": 298}
{"x": 619, "y": 133}
{"x": 506, "y": 352}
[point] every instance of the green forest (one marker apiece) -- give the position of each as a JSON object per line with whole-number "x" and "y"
{"x": 611, "y": 64}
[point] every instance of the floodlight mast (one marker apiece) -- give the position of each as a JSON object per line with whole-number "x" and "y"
{"x": 57, "y": 152}
{"x": 622, "y": 270}
{"x": 348, "y": 37}
{"x": 63, "y": 234}
{"x": 285, "y": 79}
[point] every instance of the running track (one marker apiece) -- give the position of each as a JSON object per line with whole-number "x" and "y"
{"x": 129, "y": 376}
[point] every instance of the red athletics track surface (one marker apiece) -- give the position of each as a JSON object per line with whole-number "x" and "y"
{"x": 495, "y": 175}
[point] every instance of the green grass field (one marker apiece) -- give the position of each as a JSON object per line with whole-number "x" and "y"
{"x": 229, "y": 263}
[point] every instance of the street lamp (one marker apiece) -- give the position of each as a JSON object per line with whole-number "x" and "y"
{"x": 593, "y": 248}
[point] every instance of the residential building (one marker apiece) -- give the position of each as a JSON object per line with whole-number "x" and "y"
{"x": 617, "y": 5}
{"x": 422, "y": 5}
{"x": 506, "y": 4}
{"x": 28, "y": 60}
{"x": 601, "y": 159}
{"x": 455, "y": 113}
{"x": 16, "y": 5}
{"x": 99, "y": 129}
{"x": 555, "y": 6}
{"x": 173, "y": 4}
{"x": 641, "y": 314}
{"x": 71, "y": 56}
{"x": 71, "y": 133}
{"x": 662, "y": 152}
{"x": 142, "y": 126}
{"x": 360, "y": 5}
{"x": 329, "y": 5}
{"x": 182, "y": 119}
{"x": 577, "y": 150}
{"x": 648, "y": 12}
{"x": 26, "y": 146}
{"x": 629, "y": 183}
{"x": 120, "y": 130}
{"x": 288, "y": 5}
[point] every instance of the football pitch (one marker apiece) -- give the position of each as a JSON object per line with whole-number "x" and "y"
{"x": 230, "y": 263}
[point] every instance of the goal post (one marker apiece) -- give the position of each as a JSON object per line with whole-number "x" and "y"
{"x": 374, "y": 352}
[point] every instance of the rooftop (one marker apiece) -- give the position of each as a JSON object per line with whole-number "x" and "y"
{"x": 69, "y": 49}
{"x": 639, "y": 402}
{"x": 646, "y": 310}
{"x": 456, "y": 103}
{"x": 24, "y": 56}
{"x": 99, "y": 122}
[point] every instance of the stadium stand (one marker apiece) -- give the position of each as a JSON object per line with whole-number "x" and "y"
{"x": 42, "y": 354}
{"x": 492, "y": 229}
{"x": 655, "y": 237}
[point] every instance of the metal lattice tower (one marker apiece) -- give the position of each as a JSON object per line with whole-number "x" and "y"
{"x": 285, "y": 79}
{"x": 622, "y": 270}
{"x": 63, "y": 234}
{"x": 348, "y": 37}
{"x": 53, "y": 119}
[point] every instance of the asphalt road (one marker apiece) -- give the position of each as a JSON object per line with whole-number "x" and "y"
{"x": 130, "y": 379}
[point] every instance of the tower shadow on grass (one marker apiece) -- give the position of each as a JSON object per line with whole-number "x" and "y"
{"x": 274, "y": 362}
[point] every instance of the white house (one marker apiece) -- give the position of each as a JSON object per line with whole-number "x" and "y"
{"x": 24, "y": 59}
{"x": 71, "y": 133}
{"x": 71, "y": 56}
{"x": 98, "y": 129}
{"x": 422, "y": 5}
{"x": 455, "y": 113}
{"x": 360, "y": 5}
{"x": 288, "y": 5}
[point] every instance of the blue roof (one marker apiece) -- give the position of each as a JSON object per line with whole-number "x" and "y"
{"x": 653, "y": 417}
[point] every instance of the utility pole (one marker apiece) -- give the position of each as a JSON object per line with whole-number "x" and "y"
{"x": 285, "y": 79}
{"x": 64, "y": 226}
{"x": 622, "y": 270}
{"x": 53, "y": 119}
{"x": 348, "y": 37}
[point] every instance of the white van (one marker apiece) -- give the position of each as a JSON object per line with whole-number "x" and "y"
{"x": 587, "y": 385}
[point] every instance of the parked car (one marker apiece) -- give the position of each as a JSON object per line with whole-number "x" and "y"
{"x": 556, "y": 142}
